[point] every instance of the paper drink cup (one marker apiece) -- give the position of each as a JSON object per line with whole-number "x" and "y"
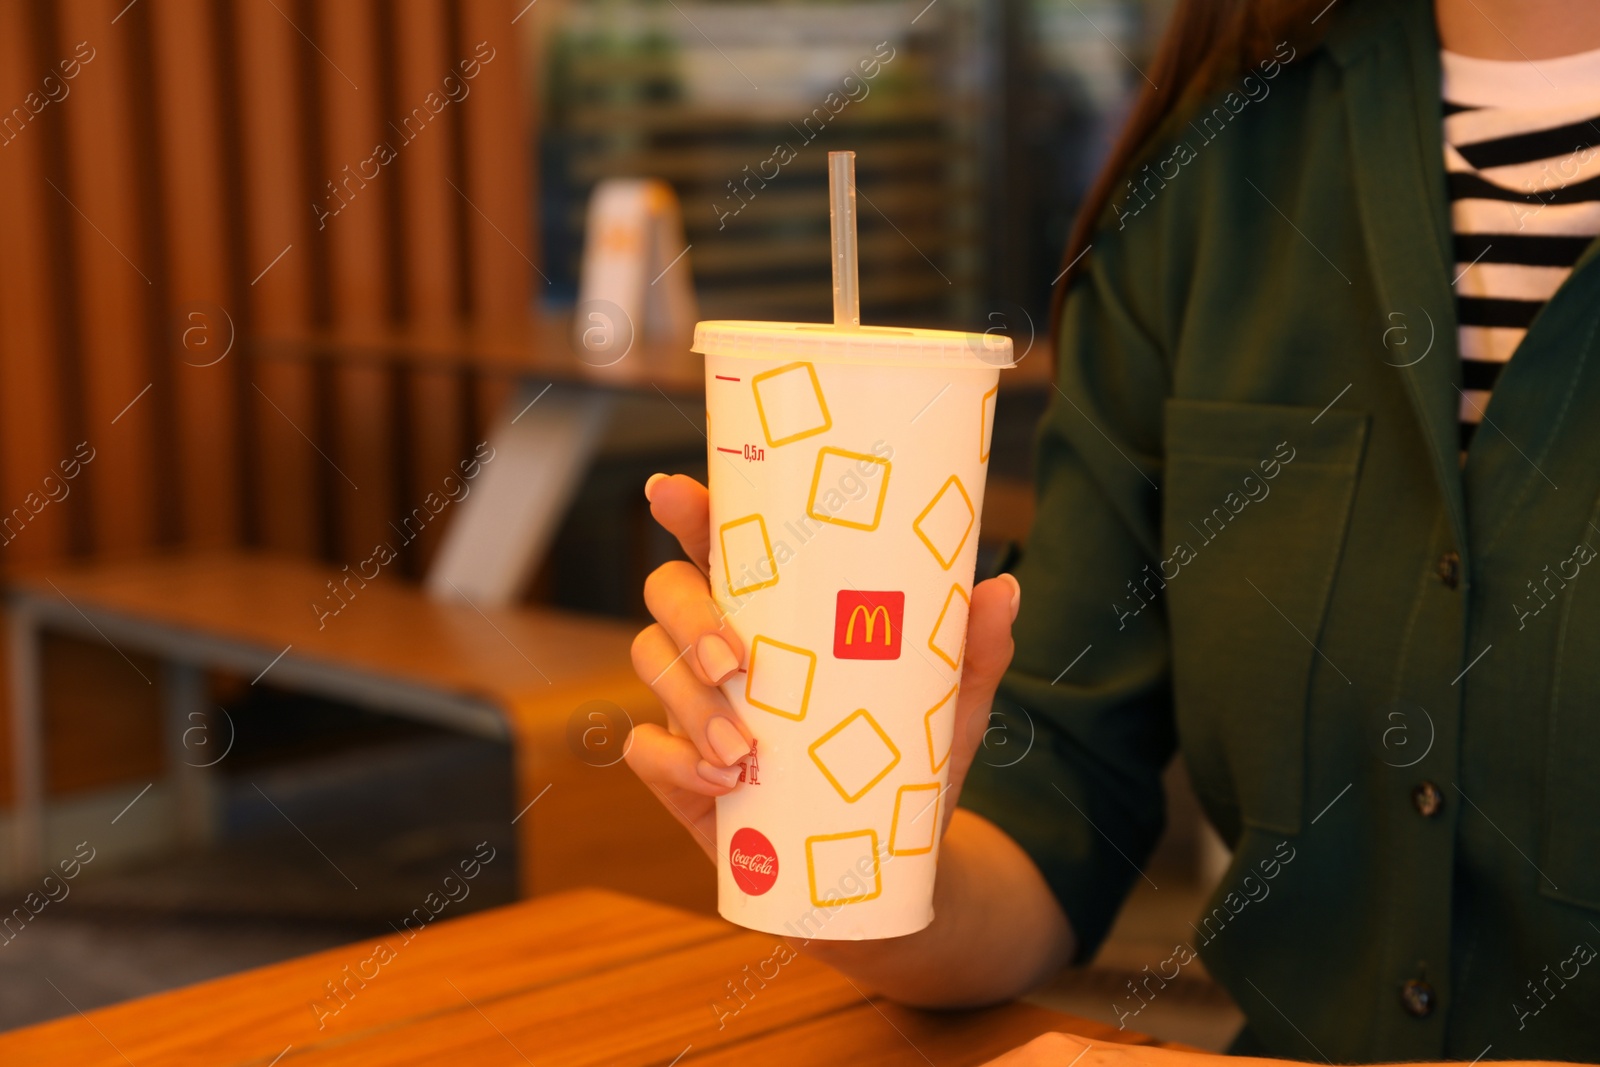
{"x": 846, "y": 475}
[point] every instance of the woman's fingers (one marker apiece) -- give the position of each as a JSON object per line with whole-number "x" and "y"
{"x": 683, "y": 507}
{"x": 989, "y": 647}
{"x": 665, "y": 764}
{"x": 678, "y": 598}
{"x": 691, "y": 650}
{"x": 699, "y": 711}
{"x": 669, "y": 762}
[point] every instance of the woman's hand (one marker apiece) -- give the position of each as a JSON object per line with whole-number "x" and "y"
{"x": 999, "y": 929}
{"x": 691, "y": 650}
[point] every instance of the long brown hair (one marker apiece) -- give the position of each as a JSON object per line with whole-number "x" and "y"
{"x": 1206, "y": 43}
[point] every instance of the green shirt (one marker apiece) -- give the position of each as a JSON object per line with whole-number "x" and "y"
{"x": 1256, "y": 543}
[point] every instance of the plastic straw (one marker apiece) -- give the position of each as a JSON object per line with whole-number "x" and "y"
{"x": 842, "y": 220}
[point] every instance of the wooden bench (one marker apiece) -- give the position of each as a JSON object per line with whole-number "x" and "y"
{"x": 558, "y": 687}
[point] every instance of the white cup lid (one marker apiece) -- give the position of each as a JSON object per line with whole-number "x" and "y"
{"x": 825, "y": 343}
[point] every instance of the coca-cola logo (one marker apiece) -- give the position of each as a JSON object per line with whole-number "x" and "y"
{"x": 756, "y": 864}
{"x": 753, "y": 860}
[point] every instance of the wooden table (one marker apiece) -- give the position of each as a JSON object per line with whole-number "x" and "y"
{"x": 583, "y": 977}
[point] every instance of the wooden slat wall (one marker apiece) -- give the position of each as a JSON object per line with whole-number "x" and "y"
{"x": 33, "y": 420}
{"x": 30, "y": 388}
{"x": 164, "y": 204}
{"x": 197, "y": 266}
{"x": 112, "y": 295}
{"x": 357, "y": 243}
{"x": 429, "y": 291}
{"x": 501, "y": 242}
{"x": 288, "y": 478}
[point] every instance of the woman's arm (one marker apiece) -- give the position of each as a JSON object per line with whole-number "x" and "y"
{"x": 998, "y": 930}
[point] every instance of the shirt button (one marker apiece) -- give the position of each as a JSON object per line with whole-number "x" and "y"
{"x": 1427, "y": 799}
{"x": 1449, "y": 570}
{"x": 1416, "y": 997}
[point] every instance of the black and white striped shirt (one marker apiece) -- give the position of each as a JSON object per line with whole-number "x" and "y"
{"x": 1522, "y": 156}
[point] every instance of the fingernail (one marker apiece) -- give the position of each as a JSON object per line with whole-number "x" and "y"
{"x": 726, "y": 740}
{"x": 716, "y": 658}
{"x": 650, "y": 486}
{"x": 726, "y": 777}
{"x": 1016, "y": 595}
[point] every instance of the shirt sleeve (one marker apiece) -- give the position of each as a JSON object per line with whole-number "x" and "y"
{"x": 1071, "y": 764}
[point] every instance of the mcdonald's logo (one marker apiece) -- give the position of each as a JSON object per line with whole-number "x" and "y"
{"x": 878, "y": 612}
{"x": 867, "y": 624}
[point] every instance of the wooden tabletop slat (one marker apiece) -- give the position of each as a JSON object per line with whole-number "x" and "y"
{"x": 570, "y": 980}
{"x": 629, "y": 1016}
{"x": 531, "y": 949}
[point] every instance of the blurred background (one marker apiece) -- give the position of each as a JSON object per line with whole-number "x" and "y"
{"x": 983, "y": 129}
{"x": 281, "y": 268}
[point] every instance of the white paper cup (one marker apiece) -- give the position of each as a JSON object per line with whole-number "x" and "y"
{"x": 846, "y": 475}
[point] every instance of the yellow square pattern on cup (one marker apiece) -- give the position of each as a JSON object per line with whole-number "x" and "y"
{"x": 986, "y": 423}
{"x": 834, "y": 859}
{"x": 790, "y": 403}
{"x": 746, "y": 552}
{"x": 916, "y": 820}
{"x": 837, "y": 469}
{"x": 946, "y": 522}
{"x": 949, "y": 635}
{"x": 939, "y": 721}
{"x": 855, "y": 755}
{"x": 779, "y": 678}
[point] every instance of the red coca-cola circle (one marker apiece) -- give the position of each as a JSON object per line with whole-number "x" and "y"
{"x": 753, "y": 860}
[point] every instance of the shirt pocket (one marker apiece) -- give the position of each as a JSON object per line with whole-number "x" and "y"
{"x": 1254, "y": 510}
{"x": 1570, "y": 836}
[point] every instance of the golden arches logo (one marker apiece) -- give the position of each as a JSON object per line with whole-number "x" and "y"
{"x": 870, "y": 609}
{"x": 877, "y": 612}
